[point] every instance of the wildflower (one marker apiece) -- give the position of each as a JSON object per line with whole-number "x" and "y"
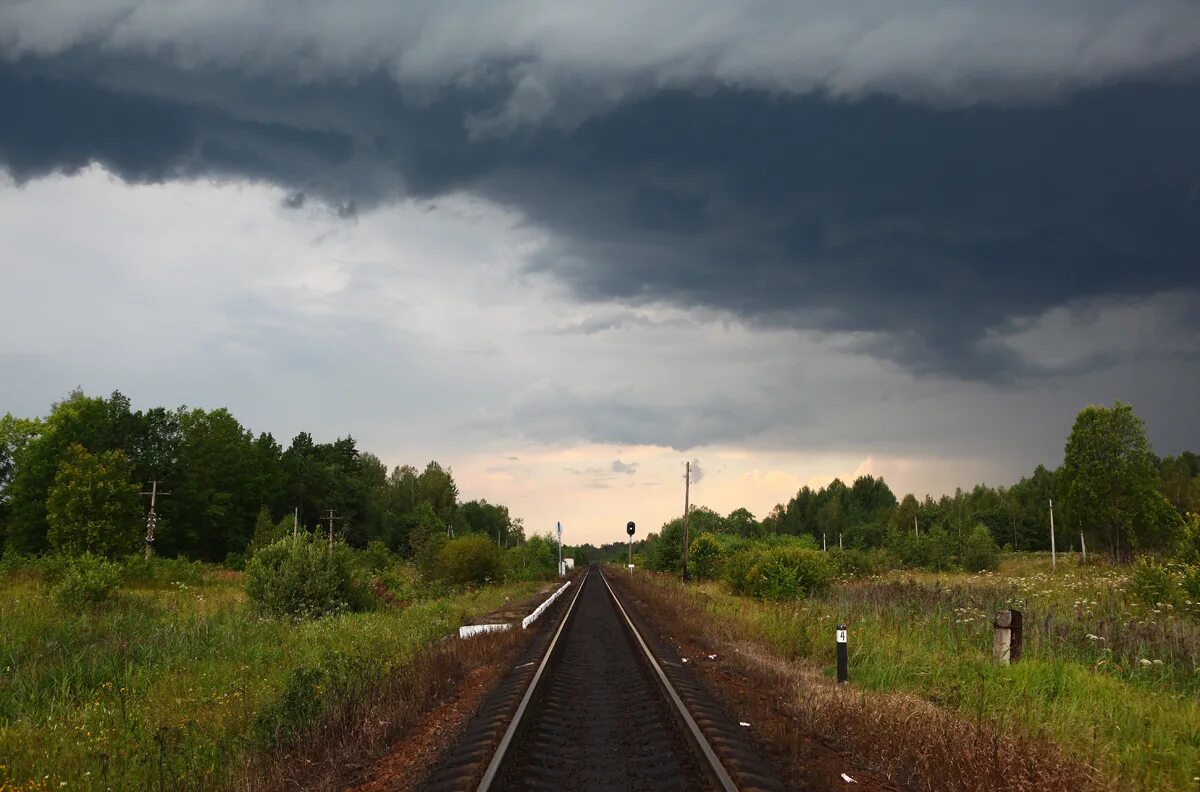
{"x": 1145, "y": 662}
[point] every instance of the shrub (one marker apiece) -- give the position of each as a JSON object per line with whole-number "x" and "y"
{"x": 375, "y": 557}
{"x": 705, "y": 555}
{"x": 789, "y": 573}
{"x": 470, "y": 559}
{"x": 156, "y": 569}
{"x": 303, "y": 578}
{"x": 1152, "y": 582}
{"x": 1191, "y": 582}
{"x": 737, "y": 568}
{"x": 979, "y": 550}
{"x": 87, "y": 580}
{"x": 852, "y": 563}
{"x": 1188, "y": 547}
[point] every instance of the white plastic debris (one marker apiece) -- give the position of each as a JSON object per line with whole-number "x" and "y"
{"x": 684, "y": 659}
{"x": 848, "y": 779}
{"x": 712, "y": 657}
{"x": 743, "y": 723}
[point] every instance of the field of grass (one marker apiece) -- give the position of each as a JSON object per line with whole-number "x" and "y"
{"x": 180, "y": 685}
{"x": 1115, "y": 684}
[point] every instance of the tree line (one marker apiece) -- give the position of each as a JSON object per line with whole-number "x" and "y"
{"x": 1111, "y": 491}
{"x": 74, "y": 481}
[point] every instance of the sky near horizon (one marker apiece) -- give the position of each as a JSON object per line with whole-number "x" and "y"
{"x": 563, "y": 248}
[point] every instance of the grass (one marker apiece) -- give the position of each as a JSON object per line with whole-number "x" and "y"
{"x": 182, "y": 686}
{"x": 1114, "y": 684}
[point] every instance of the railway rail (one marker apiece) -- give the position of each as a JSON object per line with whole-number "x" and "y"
{"x": 591, "y": 705}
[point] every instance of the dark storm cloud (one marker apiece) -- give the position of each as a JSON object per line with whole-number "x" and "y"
{"x": 923, "y": 227}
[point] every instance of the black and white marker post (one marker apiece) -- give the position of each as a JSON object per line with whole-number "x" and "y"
{"x": 842, "y": 658}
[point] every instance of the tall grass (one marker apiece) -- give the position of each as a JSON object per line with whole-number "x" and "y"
{"x": 181, "y": 686}
{"x": 1115, "y": 683}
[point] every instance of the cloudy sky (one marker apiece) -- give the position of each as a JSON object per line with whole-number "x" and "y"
{"x": 565, "y": 246}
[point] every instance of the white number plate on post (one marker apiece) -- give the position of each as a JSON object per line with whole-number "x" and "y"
{"x": 841, "y": 636}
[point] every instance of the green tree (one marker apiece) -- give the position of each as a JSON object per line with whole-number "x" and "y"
{"x": 93, "y": 507}
{"x": 704, "y": 556}
{"x": 97, "y": 424}
{"x": 742, "y": 523}
{"x": 1111, "y": 480}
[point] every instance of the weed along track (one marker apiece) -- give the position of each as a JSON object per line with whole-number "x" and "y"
{"x": 593, "y": 709}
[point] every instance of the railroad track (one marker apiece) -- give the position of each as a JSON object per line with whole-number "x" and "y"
{"x": 590, "y": 706}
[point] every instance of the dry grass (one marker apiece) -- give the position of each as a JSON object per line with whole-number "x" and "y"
{"x": 337, "y": 754}
{"x": 912, "y": 742}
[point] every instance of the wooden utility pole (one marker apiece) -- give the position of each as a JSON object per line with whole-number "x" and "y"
{"x": 329, "y": 516}
{"x": 152, "y": 517}
{"x": 687, "y": 484}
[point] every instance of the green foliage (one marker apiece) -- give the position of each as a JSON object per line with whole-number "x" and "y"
{"x": 304, "y": 578}
{"x": 136, "y": 568}
{"x": 705, "y": 554}
{"x": 1153, "y": 582}
{"x": 1187, "y": 549}
{"x": 1111, "y": 479}
{"x": 979, "y": 550}
{"x": 789, "y": 573}
{"x": 534, "y": 559}
{"x": 470, "y": 560}
{"x": 375, "y": 557}
{"x": 93, "y": 507}
{"x": 86, "y": 580}
{"x": 854, "y": 563}
{"x": 736, "y": 570}
{"x": 1191, "y": 582}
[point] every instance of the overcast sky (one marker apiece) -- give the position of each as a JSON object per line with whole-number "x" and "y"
{"x": 565, "y": 247}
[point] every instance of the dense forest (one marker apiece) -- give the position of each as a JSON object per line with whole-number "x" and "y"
{"x": 75, "y": 480}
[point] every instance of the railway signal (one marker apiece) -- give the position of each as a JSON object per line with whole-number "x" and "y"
{"x": 629, "y": 529}
{"x": 152, "y": 517}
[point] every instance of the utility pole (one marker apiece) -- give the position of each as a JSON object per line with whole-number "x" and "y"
{"x": 916, "y": 533}
{"x": 687, "y": 485}
{"x": 558, "y": 528}
{"x": 1053, "y": 554}
{"x": 152, "y": 518}
{"x": 331, "y": 518}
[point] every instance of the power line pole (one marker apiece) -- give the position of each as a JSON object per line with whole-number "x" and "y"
{"x": 331, "y": 518}
{"x": 152, "y": 518}
{"x": 687, "y": 484}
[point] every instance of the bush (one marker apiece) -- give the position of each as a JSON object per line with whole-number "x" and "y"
{"x": 737, "y": 568}
{"x": 156, "y": 569}
{"x": 375, "y": 557}
{"x": 1152, "y": 582}
{"x": 852, "y": 563}
{"x": 1188, "y": 548}
{"x": 1191, "y": 582}
{"x": 979, "y": 550}
{"x": 705, "y": 555}
{"x": 789, "y": 573}
{"x": 471, "y": 559}
{"x": 302, "y": 578}
{"x": 87, "y": 580}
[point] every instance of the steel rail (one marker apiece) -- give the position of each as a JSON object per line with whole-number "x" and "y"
{"x": 714, "y": 764}
{"x": 493, "y": 768}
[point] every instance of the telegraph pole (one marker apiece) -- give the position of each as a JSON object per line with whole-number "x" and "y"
{"x": 152, "y": 518}
{"x": 331, "y": 518}
{"x": 687, "y": 484}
